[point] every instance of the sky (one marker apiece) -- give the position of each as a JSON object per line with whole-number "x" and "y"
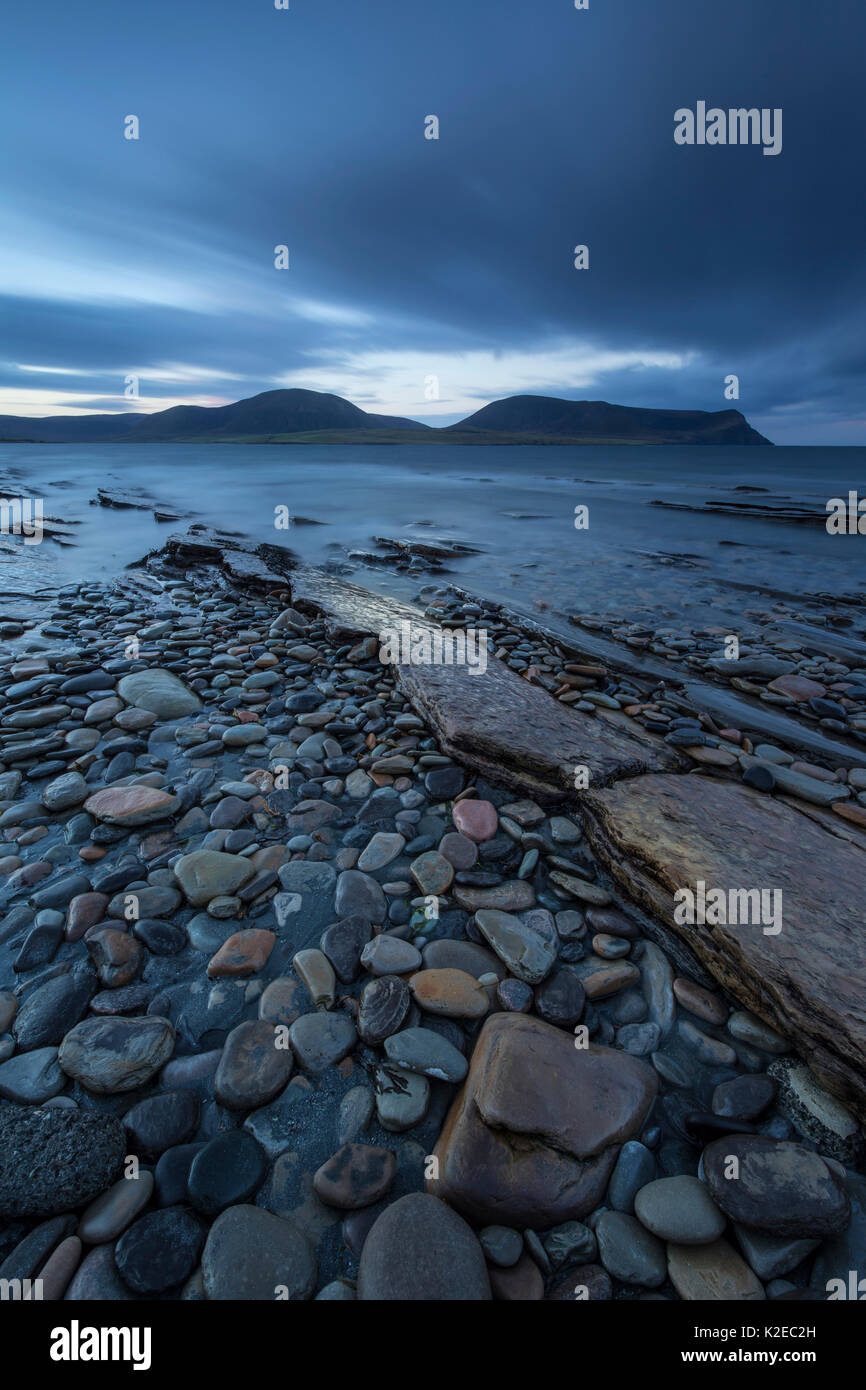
{"x": 427, "y": 277}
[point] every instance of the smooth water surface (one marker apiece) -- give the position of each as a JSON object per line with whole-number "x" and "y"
{"x": 515, "y": 504}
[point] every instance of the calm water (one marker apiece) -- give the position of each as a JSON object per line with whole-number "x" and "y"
{"x": 516, "y": 505}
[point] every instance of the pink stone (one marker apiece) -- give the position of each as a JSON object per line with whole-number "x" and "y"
{"x": 798, "y": 688}
{"x": 245, "y": 953}
{"x": 849, "y": 811}
{"x": 132, "y": 805}
{"x": 84, "y": 911}
{"x": 811, "y": 770}
{"x": 30, "y": 874}
{"x": 476, "y": 819}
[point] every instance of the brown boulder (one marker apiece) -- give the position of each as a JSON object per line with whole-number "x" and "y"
{"x": 533, "y": 1135}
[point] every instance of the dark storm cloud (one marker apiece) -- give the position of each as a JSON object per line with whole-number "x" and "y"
{"x": 305, "y": 127}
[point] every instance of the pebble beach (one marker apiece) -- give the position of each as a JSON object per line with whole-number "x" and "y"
{"x": 297, "y": 1003}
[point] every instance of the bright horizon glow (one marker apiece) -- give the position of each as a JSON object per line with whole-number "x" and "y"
{"x": 380, "y": 383}
{"x": 39, "y": 405}
{"x": 394, "y": 383}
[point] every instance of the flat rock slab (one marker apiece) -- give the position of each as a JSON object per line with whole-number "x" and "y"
{"x": 240, "y": 557}
{"x": 494, "y": 721}
{"x": 658, "y": 834}
{"x": 515, "y": 732}
{"x": 739, "y": 712}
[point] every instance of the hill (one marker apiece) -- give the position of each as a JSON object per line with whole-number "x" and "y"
{"x": 272, "y": 412}
{"x": 598, "y": 421}
{"x": 316, "y": 417}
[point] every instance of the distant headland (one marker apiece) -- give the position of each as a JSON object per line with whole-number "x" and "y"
{"x": 316, "y": 417}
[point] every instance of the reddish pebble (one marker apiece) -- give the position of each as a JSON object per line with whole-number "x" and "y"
{"x": 822, "y": 774}
{"x": 798, "y": 688}
{"x": 700, "y": 1001}
{"x": 116, "y": 955}
{"x": 243, "y": 954}
{"x": 452, "y": 993}
{"x": 32, "y": 836}
{"x": 357, "y": 1175}
{"x": 84, "y": 911}
{"x": 152, "y": 845}
{"x": 31, "y": 874}
{"x": 476, "y": 819}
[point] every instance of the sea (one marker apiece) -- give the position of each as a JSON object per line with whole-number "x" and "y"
{"x": 560, "y": 531}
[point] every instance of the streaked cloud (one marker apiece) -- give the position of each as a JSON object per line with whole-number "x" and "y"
{"x": 27, "y": 401}
{"x": 413, "y": 258}
{"x": 336, "y": 314}
{"x": 398, "y": 385}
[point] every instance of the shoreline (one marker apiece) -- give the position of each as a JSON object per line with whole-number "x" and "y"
{"x": 404, "y": 785}
{"x": 631, "y": 559}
